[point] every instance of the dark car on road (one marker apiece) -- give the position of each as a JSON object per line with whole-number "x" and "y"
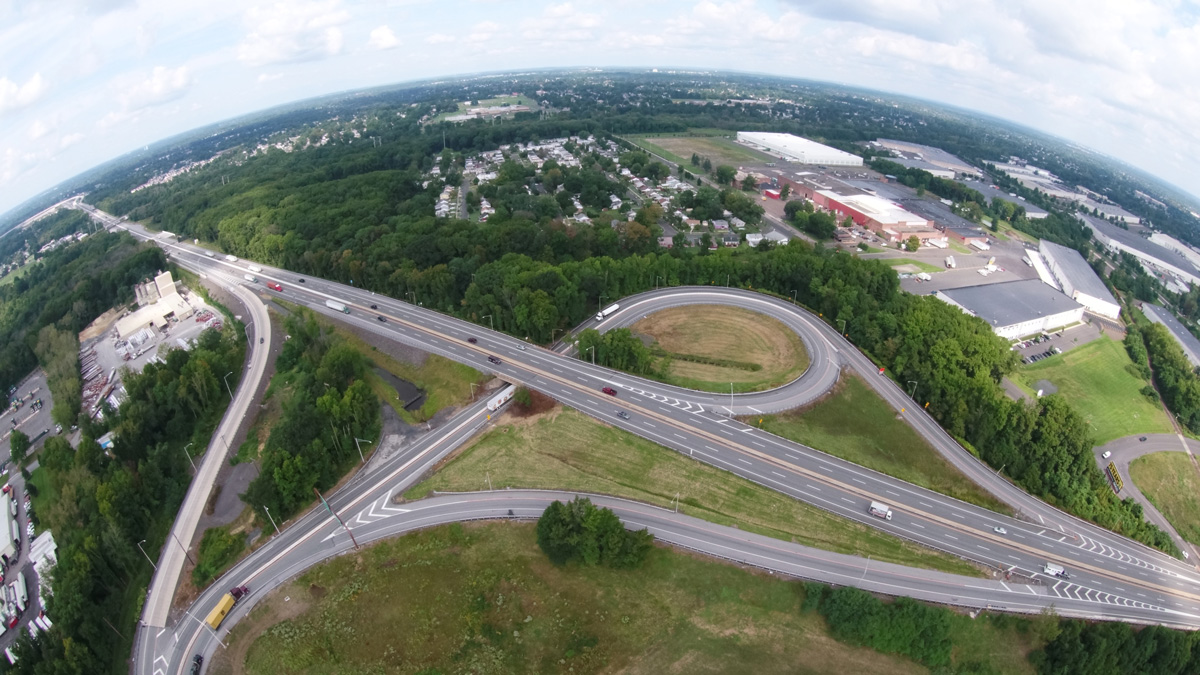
{"x": 472, "y": 340}
{"x": 610, "y": 391}
{"x": 374, "y": 306}
{"x": 494, "y": 360}
{"x": 380, "y": 319}
{"x": 197, "y": 664}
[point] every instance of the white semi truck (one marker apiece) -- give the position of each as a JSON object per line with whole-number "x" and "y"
{"x": 337, "y": 306}
{"x": 607, "y": 311}
{"x": 880, "y": 510}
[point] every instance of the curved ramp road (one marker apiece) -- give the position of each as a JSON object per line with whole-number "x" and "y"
{"x": 1111, "y": 577}
{"x": 824, "y": 358}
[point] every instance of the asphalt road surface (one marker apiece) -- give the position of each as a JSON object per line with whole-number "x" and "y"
{"x": 1124, "y": 451}
{"x": 1111, "y": 576}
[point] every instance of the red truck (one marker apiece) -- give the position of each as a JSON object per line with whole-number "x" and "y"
{"x": 274, "y": 286}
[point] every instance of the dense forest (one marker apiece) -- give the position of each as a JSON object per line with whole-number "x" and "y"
{"x": 68, "y": 288}
{"x": 105, "y": 504}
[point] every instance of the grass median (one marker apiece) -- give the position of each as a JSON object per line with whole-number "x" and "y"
{"x": 854, "y": 423}
{"x": 482, "y": 598}
{"x": 566, "y": 450}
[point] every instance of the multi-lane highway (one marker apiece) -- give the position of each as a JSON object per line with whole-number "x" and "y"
{"x": 1111, "y": 577}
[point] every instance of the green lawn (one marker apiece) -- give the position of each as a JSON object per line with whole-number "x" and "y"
{"x": 567, "y": 450}
{"x": 13, "y": 276}
{"x": 47, "y": 494}
{"x": 1170, "y": 481}
{"x": 854, "y": 423}
{"x": 1096, "y": 380}
{"x": 921, "y": 266}
{"x": 663, "y": 152}
{"x": 481, "y": 598}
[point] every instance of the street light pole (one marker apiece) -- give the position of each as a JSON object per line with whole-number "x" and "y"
{"x": 593, "y": 348}
{"x": 843, "y": 330}
{"x": 147, "y": 555}
{"x": 226, "y": 378}
{"x": 793, "y": 296}
{"x": 731, "y": 400}
{"x": 491, "y": 324}
{"x": 272, "y": 519}
{"x": 360, "y": 455}
{"x": 913, "y": 389}
{"x": 189, "y": 456}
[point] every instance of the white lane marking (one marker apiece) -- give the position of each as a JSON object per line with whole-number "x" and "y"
{"x": 711, "y": 449}
{"x": 743, "y": 461}
{"x": 814, "y": 487}
{"x": 1017, "y": 535}
{"x": 848, "y": 501}
{"x": 925, "y": 504}
{"x": 758, "y": 444}
{"x": 779, "y": 474}
{"x": 648, "y": 424}
{"x": 1013, "y": 557}
{"x": 791, "y": 455}
{"x": 679, "y": 436}
{"x": 894, "y": 494}
{"x": 980, "y": 546}
{"x": 950, "y": 536}
{"x": 918, "y": 525}
{"x": 857, "y": 481}
{"x": 958, "y": 515}
{"x": 1006, "y": 587}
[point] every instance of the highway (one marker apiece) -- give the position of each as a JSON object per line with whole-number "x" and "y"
{"x": 1111, "y": 577}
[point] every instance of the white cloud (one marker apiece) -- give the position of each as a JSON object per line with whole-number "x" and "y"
{"x": 69, "y": 140}
{"x": 290, "y": 32}
{"x": 268, "y": 77}
{"x": 439, "y": 39}
{"x": 383, "y": 38}
{"x": 38, "y": 129}
{"x": 160, "y": 86}
{"x": 13, "y": 95}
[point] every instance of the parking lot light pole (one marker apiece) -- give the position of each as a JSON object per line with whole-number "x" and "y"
{"x": 147, "y": 555}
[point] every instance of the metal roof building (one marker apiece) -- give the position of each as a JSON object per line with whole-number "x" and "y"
{"x": 1079, "y": 280}
{"x": 1016, "y": 308}
{"x": 1189, "y": 343}
{"x": 797, "y": 149}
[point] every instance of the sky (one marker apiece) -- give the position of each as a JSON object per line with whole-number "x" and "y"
{"x": 84, "y": 81}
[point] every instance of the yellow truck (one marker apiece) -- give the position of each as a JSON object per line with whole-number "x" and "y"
{"x": 226, "y": 603}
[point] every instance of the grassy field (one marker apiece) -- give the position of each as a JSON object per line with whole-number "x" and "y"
{"x": 47, "y": 494}
{"x": 718, "y": 149}
{"x": 13, "y": 276}
{"x": 729, "y": 333}
{"x": 567, "y": 450}
{"x": 506, "y": 609}
{"x": 855, "y": 424}
{"x": 1171, "y": 483}
{"x": 1095, "y": 379}
{"x": 917, "y": 264}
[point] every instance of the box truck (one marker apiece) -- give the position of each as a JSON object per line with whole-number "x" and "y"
{"x": 337, "y": 306}
{"x": 880, "y": 510}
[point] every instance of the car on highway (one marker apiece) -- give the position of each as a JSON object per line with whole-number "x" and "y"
{"x": 473, "y": 340}
{"x": 494, "y": 360}
{"x": 374, "y": 306}
{"x": 622, "y": 414}
{"x": 300, "y": 280}
{"x": 380, "y": 319}
{"x": 609, "y": 390}
{"x": 1108, "y": 453}
{"x": 999, "y": 530}
{"x": 197, "y": 664}
{"x": 521, "y": 347}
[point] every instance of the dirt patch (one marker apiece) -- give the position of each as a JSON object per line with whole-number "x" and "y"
{"x": 101, "y": 325}
{"x": 538, "y": 403}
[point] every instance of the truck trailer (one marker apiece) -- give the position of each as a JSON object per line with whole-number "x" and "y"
{"x": 251, "y": 278}
{"x": 337, "y": 306}
{"x": 880, "y": 510}
{"x": 607, "y": 311}
{"x": 255, "y": 268}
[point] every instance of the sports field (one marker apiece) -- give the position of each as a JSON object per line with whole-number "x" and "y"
{"x": 717, "y": 149}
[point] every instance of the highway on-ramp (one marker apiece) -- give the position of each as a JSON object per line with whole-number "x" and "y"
{"x": 1111, "y": 577}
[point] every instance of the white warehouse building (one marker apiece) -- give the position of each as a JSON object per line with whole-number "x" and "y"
{"x": 1078, "y": 280}
{"x": 797, "y": 149}
{"x": 1015, "y": 309}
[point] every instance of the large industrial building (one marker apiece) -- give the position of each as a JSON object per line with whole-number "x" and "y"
{"x": 1078, "y": 280}
{"x": 934, "y": 157}
{"x": 1189, "y": 343}
{"x": 797, "y": 149}
{"x": 160, "y": 303}
{"x": 890, "y": 221}
{"x": 1151, "y": 254}
{"x": 1016, "y": 308}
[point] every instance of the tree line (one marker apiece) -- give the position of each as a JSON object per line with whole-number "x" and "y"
{"x": 580, "y": 532}
{"x": 108, "y": 503}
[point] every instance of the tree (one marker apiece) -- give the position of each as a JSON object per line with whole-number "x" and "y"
{"x": 912, "y": 244}
{"x": 785, "y": 191}
{"x": 579, "y": 531}
{"x": 748, "y": 183}
{"x": 19, "y": 445}
{"x": 707, "y": 164}
{"x": 695, "y": 159}
{"x": 725, "y": 174}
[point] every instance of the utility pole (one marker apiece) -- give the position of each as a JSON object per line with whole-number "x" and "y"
{"x": 337, "y": 517}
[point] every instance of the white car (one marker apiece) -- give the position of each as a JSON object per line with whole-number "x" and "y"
{"x": 1107, "y": 454}
{"x": 999, "y": 530}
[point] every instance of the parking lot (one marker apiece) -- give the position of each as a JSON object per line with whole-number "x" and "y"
{"x": 32, "y": 420}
